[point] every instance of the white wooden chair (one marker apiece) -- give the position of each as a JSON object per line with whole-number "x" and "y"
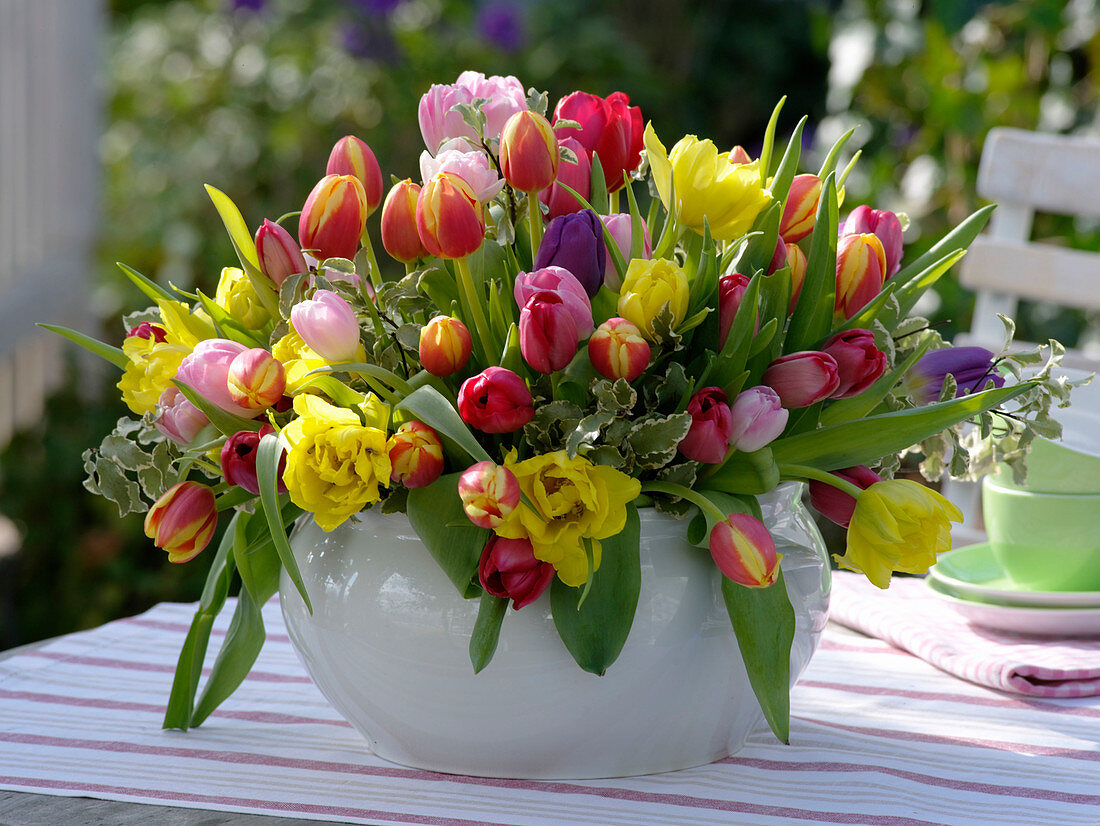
{"x": 1024, "y": 172}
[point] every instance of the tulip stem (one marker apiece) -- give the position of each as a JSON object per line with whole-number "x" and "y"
{"x": 696, "y": 498}
{"x": 800, "y": 473}
{"x": 368, "y": 247}
{"x": 475, "y": 311}
{"x": 534, "y": 216}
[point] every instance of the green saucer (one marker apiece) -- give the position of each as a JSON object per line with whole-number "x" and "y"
{"x": 973, "y": 572}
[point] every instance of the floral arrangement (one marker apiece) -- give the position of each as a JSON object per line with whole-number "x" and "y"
{"x": 553, "y": 358}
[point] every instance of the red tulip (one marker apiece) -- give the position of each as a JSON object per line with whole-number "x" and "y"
{"x": 449, "y": 218}
{"x": 708, "y": 440}
{"x": 803, "y": 378}
{"x": 238, "y": 460}
{"x": 577, "y": 176}
{"x": 351, "y": 156}
{"x": 399, "y": 234}
{"x": 610, "y": 127}
{"x": 547, "y": 332}
{"x": 744, "y": 551}
{"x": 859, "y": 362}
{"x": 183, "y": 520}
{"x": 333, "y": 218}
{"x": 509, "y": 569}
{"x": 279, "y": 254}
{"x": 496, "y": 400}
{"x": 835, "y": 504}
{"x": 416, "y": 455}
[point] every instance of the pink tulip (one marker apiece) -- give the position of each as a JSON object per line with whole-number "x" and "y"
{"x": 279, "y": 254}
{"x": 859, "y": 362}
{"x": 508, "y": 569}
{"x": 744, "y": 551}
{"x": 731, "y": 291}
{"x": 489, "y": 493}
{"x": 496, "y": 400}
{"x": 758, "y": 418}
{"x": 621, "y": 229}
{"x": 177, "y": 418}
{"x": 577, "y": 176}
{"x": 803, "y": 378}
{"x": 206, "y": 370}
{"x": 328, "y": 326}
{"x": 547, "y": 332}
{"x": 473, "y": 166}
{"x": 439, "y": 122}
{"x": 708, "y": 440}
{"x": 560, "y": 281}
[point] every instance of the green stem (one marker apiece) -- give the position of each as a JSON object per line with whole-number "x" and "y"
{"x": 475, "y": 310}
{"x": 613, "y": 199}
{"x": 683, "y": 492}
{"x": 534, "y": 217}
{"x": 801, "y": 473}
{"x": 368, "y": 247}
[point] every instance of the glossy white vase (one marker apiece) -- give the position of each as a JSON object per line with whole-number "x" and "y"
{"x": 388, "y": 646}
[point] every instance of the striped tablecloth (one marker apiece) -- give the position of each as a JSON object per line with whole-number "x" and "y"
{"x": 878, "y": 737}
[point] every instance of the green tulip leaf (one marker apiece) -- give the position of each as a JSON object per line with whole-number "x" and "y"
{"x": 788, "y": 164}
{"x": 483, "y": 643}
{"x": 228, "y": 423}
{"x": 595, "y": 631}
{"x": 455, "y": 542}
{"x": 745, "y": 473}
{"x": 115, "y": 355}
{"x": 429, "y": 405}
{"x": 763, "y": 621}
{"x": 240, "y": 648}
{"x": 864, "y": 441}
{"x": 813, "y": 314}
{"x": 959, "y": 238}
{"x": 147, "y": 285}
{"x": 245, "y": 247}
{"x": 268, "y": 454}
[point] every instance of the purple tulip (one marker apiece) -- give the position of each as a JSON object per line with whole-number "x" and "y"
{"x": 575, "y": 242}
{"x": 972, "y": 368}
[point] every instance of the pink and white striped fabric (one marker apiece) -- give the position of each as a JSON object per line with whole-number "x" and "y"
{"x": 878, "y": 737}
{"x": 909, "y": 616}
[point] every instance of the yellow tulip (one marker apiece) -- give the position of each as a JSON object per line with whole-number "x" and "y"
{"x": 574, "y": 500}
{"x": 898, "y": 525}
{"x": 152, "y": 366}
{"x": 238, "y": 297}
{"x": 334, "y": 464}
{"x": 706, "y": 184}
{"x": 648, "y": 286}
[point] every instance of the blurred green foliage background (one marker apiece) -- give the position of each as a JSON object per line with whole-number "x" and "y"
{"x": 249, "y": 95}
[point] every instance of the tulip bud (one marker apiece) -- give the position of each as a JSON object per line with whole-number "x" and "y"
{"x": 528, "y": 152}
{"x": 576, "y": 175}
{"x": 489, "y": 493}
{"x": 399, "y": 233}
{"x": 238, "y": 460}
{"x": 183, "y": 520}
{"x": 653, "y": 289}
{"x": 803, "y": 378}
{"x": 351, "y": 156}
{"x": 508, "y": 569}
{"x": 744, "y": 551}
{"x": 147, "y": 330}
{"x": 328, "y": 326}
{"x": 708, "y": 440}
{"x": 731, "y": 291}
{"x": 177, "y": 418}
{"x": 496, "y": 400}
{"x": 758, "y": 418}
{"x": 547, "y": 332}
{"x": 859, "y": 362}
{"x": 835, "y": 504}
{"x": 779, "y": 257}
{"x": 800, "y": 210}
{"x": 416, "y": 455}
{"x": 206, "y": 370}
{"x": 256, "y": 379}
{"x": 279, "y": 254}
{"x": 333, "y": 218}
{"x": 618, "y": 351}
{"x": 445, "y": 346}
{"x": 796, "y": 260}
{"x": 449, "y": 217}
{"x": 885, "y": 226}
{"x": 738, "y": 155}
{"x": 575, "y": 243}
{"x": 860, "y": 272}
{"x": 561, "y": 282}
{"x": 621, "y": 228}
{"x": 972, "y": 368}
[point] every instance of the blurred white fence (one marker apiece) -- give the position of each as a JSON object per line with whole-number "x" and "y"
{"x": 49, "y": 185}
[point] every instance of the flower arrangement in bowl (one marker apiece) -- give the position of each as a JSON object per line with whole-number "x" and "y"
{"x": 554, "y": 358}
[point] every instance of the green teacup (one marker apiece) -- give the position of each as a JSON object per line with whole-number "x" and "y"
{"x": 1052, "y": 467}
{"x": 1044, "y": 541}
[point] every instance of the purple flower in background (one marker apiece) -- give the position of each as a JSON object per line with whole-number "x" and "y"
{"x": 248, "y": 5}
{"x": 501, "y": 23}
{"x": 972, "y": 368}
{"x": 375, "y": 6}
{"x": 371, "y": 40}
